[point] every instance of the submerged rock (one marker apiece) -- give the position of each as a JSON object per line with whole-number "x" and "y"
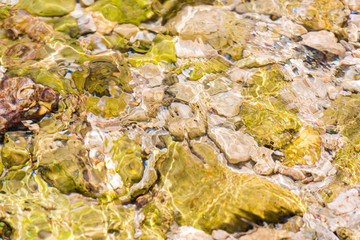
{"x": 314, "y": 14}
{"x": 323, "y": 41}
{"x": 20, "y": 22}
{"x": 219, "y": 28}
{"x": 52, "y": 215}
{"x": 121, "y": 11}
{"x": 191, "y": 186}
{"x": 269, "y": 122}
{"x": 163, "y": 49}
{"x": 22, "y": 99}
{"x": 15, "y": 152}
{"x": 304, "y": 149}
{"x": 236, "y": 145}
{"x": 47, "y": 8}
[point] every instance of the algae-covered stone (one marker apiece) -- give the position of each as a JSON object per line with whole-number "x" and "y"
{"x": 158, "y": 216}
{"x": 269, "y": 122}
{"x": 344, "y": 112}
{"x": 15, "y": 152}
{"x": 38, "y": 211}
{"x": 60, "y": 153}
{"x": 266, "y": 81}
{"x": 211, "y": 196}
{"x": 219, "y": 28}
{"x": 124, "y": 11}
{"x": 198, "y": 67}
{"x": 67, "y": 24}
{"x": 106, "y": 106}
{"x": 22, "y": 99}
{"x": 163, "y": 49}
{"x": 304, "y": 149}
{"x": 128, "y": 156}
{"x": 47, "y": 8}
{"x": 105, "y": 71}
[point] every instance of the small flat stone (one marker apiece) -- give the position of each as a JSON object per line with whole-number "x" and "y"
{"x": 323, "y": 41}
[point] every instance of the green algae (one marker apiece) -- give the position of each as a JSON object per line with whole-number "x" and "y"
{"x": 344, "y": 116}
{"x": 304, "y": 149}
{"x": 269, "y": 122}
{"x": 104, "y": 71}
{"x": 37, "y": 211}
{"x": 4, "y": 11}
{"x": 128, "y": 156}
{"x": 211, "y": 197}
{"x": 60, "y": 153}
{"x": 266, "y": 81}
{"x": 47, "y": 8}
{"x": 15, "y": 152}
{"x": 198, "y": 67}
{"x": 116, "y": 42}
{"x": 67, "y": 25}
{"x": 163, "y": 49}
{"x": 121, "y": 11}
{"x": 106, "y": 106}
{"x": 158, "y": 217}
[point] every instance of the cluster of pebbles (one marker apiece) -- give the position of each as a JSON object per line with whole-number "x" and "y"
{"x": 180, "y": 119}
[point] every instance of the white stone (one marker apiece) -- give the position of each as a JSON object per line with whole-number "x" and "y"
{"x": 353, "y": 86}
{"x": 227, "y": 103}
{"x": 127, "y": 30}
{"x": 323, "y": 41}
{"x": 86, "y": 24}
{"x": 236, "y": 146}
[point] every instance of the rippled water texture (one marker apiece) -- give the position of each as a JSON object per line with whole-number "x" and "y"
{"x": 179, "y": 119}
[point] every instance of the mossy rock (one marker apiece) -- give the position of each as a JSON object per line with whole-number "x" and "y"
{"x": 38, "y": 211}
{"x": 128, "y": 156}
{"x": 163, "y": 49}
{"x": 210, "y": 196}
{"x": 67, "y": 24}
{"x": 106, "y": 106}
{"x": 304, "y": 149}
{"x": 47, "y": 8}
{"x": 15, "y": 152}
{"x": 266, "y": 81}
{"x": 124, "y": 11}
{"x": 269, "y": 122}
{"x": 198, "y": 67}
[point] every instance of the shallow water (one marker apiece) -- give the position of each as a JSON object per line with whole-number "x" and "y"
{"x": 175, "y": 119}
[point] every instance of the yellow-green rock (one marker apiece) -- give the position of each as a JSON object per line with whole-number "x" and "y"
{"x": 67, "y": 24}
{"x": 106, "y": 106}
{"x": 198, "y": 67}
{"x": 37, "y": 211}
{"x": 210, "y": 196}
{"x": 269, "y": 122}
{"x": 15, "y": 152}
{"x": 105, "y": 71}
{"x": 163, "y": 49}
{"x": 47, "y": 8}
{"x": 344, "y": 114}
{"x": 266, "y": 81}
{"x": 128, "y": 156}
{"x": 59, "y": 150}
{"x": 304, "y": 149}
{"x": 124, "y": 11}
